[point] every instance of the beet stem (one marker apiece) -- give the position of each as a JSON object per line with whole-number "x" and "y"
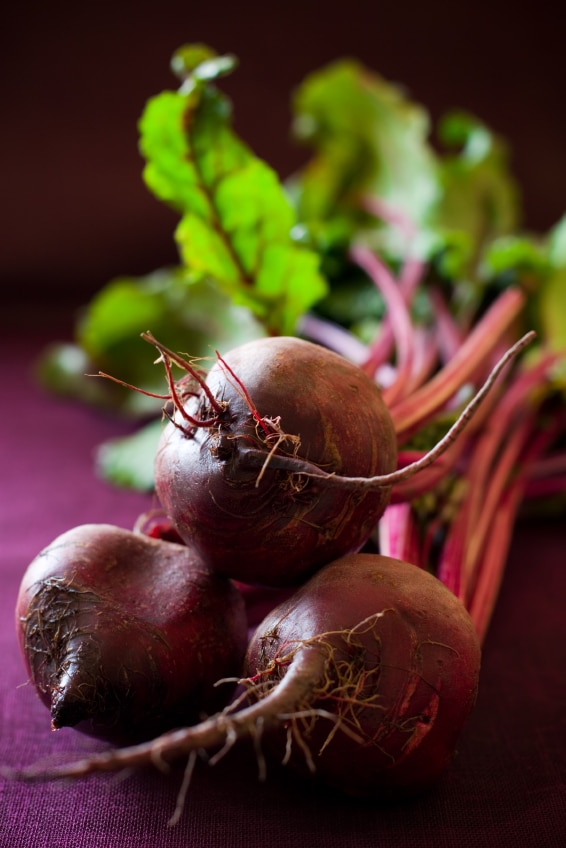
{"x": 399, "y": 316}
{"x": 253, "y": 458}
{"x": 480, "y": 342}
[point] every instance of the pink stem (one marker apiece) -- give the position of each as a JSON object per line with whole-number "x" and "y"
{"x": 498, "y": 428}
{"x": 413, "y": 411}
{"x": 425, "y": 358}
{"x": 393, "y": 215}
{"x": 482, "y": 602}
{"x": 334, "y": 337}
{"x": 480, "y": 524}
{"x": 449, "y": 334}
{"x": 397, "y": 534}
{"x": 449, "y": 569}
{"x": 398, "y": 313}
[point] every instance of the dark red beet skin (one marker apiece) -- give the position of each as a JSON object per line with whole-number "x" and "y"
{"x": 281, "y": 530}
{"x": 125, "y": 636}
{"x": 362, "y": 679}
{"x": 404, "y": 682}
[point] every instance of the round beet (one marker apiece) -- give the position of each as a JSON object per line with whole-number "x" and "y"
{"x": 226, "y": 464}
{"x": 125, "y": 636}
{"x": 397, "y": 663}
{"x": 363, "y": 679}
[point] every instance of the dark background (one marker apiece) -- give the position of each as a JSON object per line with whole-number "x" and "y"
{"x": 75, "y": 77}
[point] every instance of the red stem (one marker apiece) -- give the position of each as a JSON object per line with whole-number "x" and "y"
{"x": 449, "y": 569}
{"x": 398, "y": 535}
{"x": 498, "y": 428}
{"x": 480, "y": 524}
{"x": 398, "y": 314}
{"x": 449, "y": 334}
{"x": 412, "y": 412}
{"x": 482, "y": 602}
{"x": 492, "y": 560}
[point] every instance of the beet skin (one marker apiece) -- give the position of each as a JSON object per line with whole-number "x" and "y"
{"x": 125, "y": 636}
{"x": 390, "y": 654}
{"x": 270, "y": 525}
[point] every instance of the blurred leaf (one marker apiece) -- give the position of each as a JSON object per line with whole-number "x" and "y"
{"x": 479, "y": 197}
{"x": 515, "y": 253}
{"x": 367, "y": 138}
{"x": 62, "y": 369}
{"x": 192, "y": 317}
{"x": 557, "y": 244}
{"x": 128, "y": 461}
{"x": 552, "y": 297}
{"x": 552, "y": 309}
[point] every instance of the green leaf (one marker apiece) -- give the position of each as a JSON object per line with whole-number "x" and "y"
{"x": 235, "y": 216}
{"x": 62, "y": 369}
{"x": 195, "y": 317}
{"x": 128, "y": 461}
{"x": 556, "y": 245}
{"x": 552, "y": 309}
{"x": 195, "y": 63}
{"x": 479, "y": 196}
{"x": 368, "y": 138}
{"x": 515, "y": 253}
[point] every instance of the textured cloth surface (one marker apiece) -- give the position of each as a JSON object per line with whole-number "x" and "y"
{"x": 505, "y": 788}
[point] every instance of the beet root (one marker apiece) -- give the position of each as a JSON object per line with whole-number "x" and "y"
{"x": 125, "y": 636}
{"x": 364, "y": 678}
{"x": 399, "y": 665}
{"x": 269, "y": 405}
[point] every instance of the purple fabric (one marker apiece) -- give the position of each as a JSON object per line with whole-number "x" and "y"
{"x": 506, "y": 787}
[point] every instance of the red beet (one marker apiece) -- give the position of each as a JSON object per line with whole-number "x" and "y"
{"x": 125, "y": 636}
{"x": 226, "y": 465}
{"x": 364, "y": 678}
{"x": 390, "y": 654}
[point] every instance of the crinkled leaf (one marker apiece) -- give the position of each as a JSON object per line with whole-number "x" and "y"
{"x": 128, "y": 461}
{"x": 368, "y": 138}
{"x": 539, "y": 267}
{"x": 235, "y": 215}
{"x": 478, "y": 195}
{"x": 193, "y": 317}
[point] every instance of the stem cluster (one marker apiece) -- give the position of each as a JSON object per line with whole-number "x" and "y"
{"x": 456, "y": 516}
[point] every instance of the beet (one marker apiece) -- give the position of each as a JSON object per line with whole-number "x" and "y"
{"x": 125, "y": 636}
{"x": 363, "y": 678}
{"x": 390, "y": 654}
{"x": 226, "y": 464}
